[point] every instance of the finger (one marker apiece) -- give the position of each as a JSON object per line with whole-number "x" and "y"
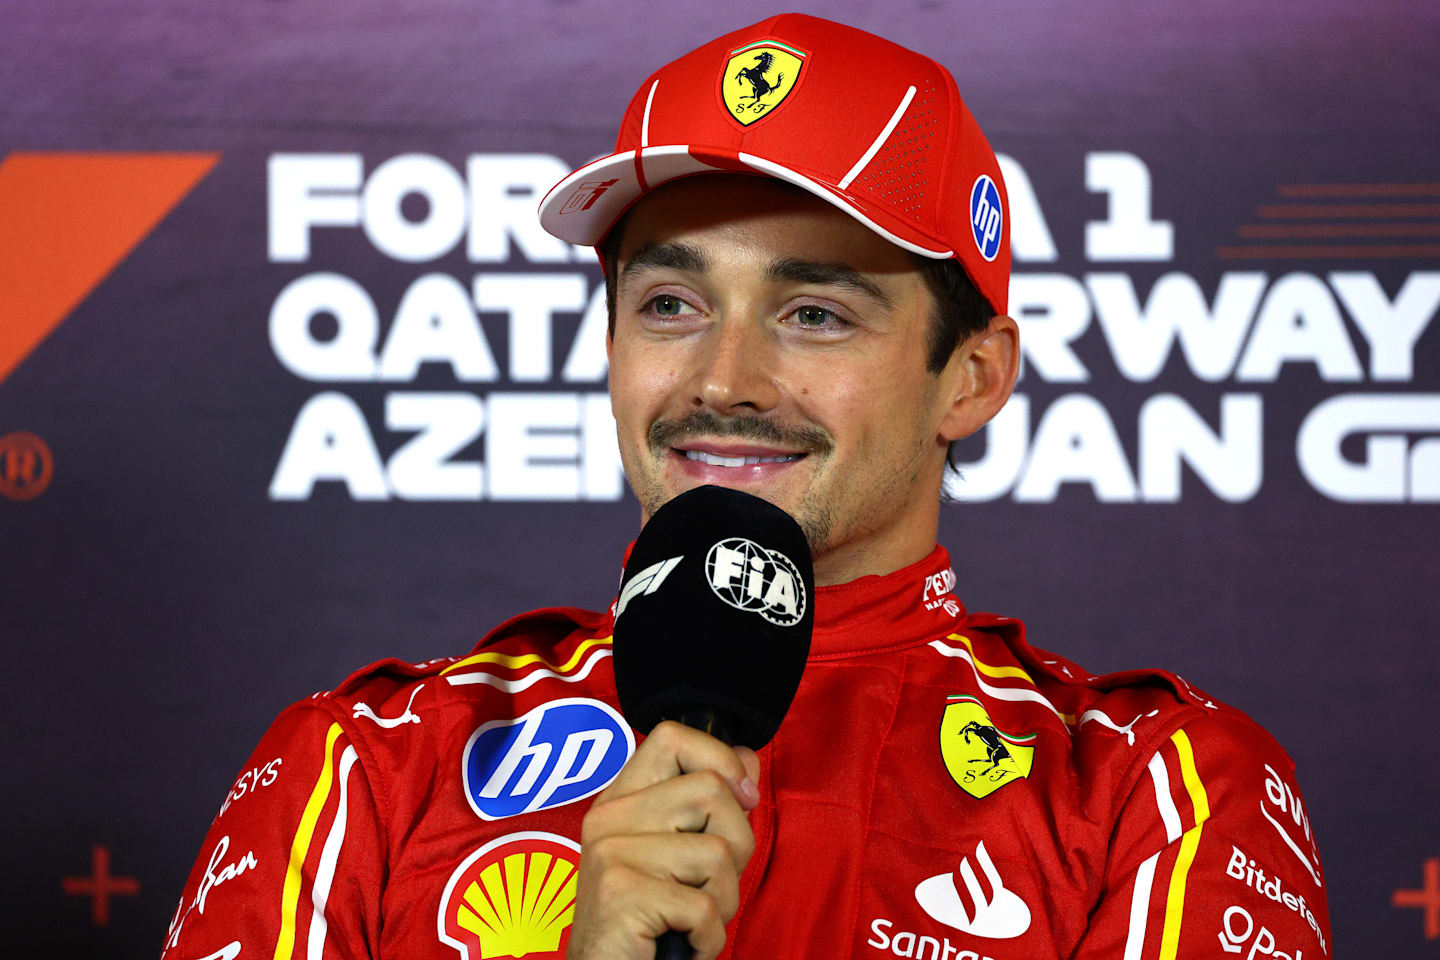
{"x": 698, "y": 860}
{"x": 701, "y": 802}
{"x": 621, "y": 911}
{"x": 671, "y": 750}
{"x": 748, "y": 790}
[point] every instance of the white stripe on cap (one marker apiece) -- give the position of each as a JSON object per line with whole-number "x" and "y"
{"x": 645, "y": 121}
{"x": 884, "y": 135}
{"x": 830, "y": 196}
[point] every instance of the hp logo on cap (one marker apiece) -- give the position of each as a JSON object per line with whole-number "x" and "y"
{"x": 987, "y": 217}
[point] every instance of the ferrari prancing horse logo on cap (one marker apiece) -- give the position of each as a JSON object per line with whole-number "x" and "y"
{"x": 758, "y": 77}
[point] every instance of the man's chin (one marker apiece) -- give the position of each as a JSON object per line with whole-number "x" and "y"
{"x": 815, "y": 520}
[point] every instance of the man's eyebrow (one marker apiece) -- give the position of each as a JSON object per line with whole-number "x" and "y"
{"x": 675, "y": 255}
{"x": 828, "y": 274}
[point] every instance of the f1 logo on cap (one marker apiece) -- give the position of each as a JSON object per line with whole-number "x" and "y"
{"x": 987, "y": 217}
{"x": 586, "y": 194}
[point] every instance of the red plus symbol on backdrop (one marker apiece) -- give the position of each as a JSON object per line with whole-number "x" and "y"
{"x": 1429, "y": 898}
{"x": 100, "y": 886}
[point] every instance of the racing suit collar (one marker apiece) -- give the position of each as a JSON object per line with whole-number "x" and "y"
{"x": 875, "y": 613}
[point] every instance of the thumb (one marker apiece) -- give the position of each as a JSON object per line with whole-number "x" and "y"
{"x": 748, "y": 791}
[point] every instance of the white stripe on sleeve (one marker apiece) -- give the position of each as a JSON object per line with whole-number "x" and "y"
{"x": 325, "y": 872}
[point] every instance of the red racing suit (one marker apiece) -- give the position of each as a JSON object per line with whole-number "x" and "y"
{"x": 939, "y": 789}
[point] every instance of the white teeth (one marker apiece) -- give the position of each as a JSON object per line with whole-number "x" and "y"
{"x": 715, "y": 460}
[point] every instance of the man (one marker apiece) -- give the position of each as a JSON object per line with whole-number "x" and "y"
{"x": 806, "y": 249}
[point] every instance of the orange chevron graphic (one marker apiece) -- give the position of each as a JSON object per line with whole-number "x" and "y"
{"x": 66, "y": 222}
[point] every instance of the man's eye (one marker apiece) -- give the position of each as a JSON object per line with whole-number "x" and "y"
{"x": 666, "y": 306}
{"x": 813, "y": 316}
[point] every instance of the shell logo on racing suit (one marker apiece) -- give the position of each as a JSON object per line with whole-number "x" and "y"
{"x": 559, "y": 752}
{"x": 514, "y": 897}
{"x": 980, "y": 757}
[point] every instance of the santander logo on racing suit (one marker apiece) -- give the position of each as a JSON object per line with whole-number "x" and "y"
{"x": 985, "y": 908}
{"x": 997, "y": 914}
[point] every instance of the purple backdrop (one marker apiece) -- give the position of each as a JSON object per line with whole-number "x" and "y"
{"x": 1223, "y": 459}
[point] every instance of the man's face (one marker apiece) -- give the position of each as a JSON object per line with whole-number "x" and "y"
{"x": 766, "y": 341}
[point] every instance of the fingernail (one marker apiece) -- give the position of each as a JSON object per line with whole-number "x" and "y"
{"x": 748, "y": 793}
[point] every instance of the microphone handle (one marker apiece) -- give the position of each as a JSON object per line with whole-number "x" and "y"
{"x": 717, "y": 723}
{"x": 674, "y": 945}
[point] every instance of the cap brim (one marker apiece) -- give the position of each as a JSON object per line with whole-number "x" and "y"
{"x": 585, "y": 205}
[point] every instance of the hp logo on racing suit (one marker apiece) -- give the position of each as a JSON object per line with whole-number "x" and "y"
{"x": 560, "y": 752}
{"x": 749, "y": 577}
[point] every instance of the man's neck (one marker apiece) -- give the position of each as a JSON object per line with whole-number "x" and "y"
{"x": 878, "y": 554}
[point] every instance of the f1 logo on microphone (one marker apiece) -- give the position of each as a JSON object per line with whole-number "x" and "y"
{"x": 560, "y": 752}
{"x": 645, "y": 582}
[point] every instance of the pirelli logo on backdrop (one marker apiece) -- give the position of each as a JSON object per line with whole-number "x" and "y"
{"x": 489, "y": 382}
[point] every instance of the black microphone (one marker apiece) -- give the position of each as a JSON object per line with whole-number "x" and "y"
{"x": 713, "y": 624}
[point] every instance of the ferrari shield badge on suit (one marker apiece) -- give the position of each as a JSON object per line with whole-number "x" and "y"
{"x": 980, "y": 756}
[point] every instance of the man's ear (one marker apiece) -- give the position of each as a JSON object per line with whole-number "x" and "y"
{"x": 979, "y": 378}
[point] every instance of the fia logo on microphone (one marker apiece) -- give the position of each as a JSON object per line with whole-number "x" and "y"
{"x": 560, "y": 752}
{"x": 749, "y": 577}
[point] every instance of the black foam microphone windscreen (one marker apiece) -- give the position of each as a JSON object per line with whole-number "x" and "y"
{"x": 716, "y": 609}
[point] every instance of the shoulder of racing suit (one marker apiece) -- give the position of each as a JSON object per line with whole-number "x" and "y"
{"x": 309, "y": 839}
{"x": 1210, "y": 840}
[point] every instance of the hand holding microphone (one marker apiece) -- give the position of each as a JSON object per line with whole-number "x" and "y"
{"x": 712, "y": 631}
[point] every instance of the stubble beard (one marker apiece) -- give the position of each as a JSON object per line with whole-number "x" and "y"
{"x": 814, "y": 513}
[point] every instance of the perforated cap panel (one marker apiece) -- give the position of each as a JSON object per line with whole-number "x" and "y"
{"x": 901, "y": 175}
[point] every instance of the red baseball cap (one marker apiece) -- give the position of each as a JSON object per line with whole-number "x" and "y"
{"x": 865, "y": 124}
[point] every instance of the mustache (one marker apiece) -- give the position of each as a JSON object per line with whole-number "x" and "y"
{"x": 669, "y": 433}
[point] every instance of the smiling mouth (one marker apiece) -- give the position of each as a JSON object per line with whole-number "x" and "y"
{"x": 717, "y": 460}
{"x": 702, "y": 440}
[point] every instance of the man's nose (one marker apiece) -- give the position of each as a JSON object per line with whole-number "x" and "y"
{"x": 737, "y": 368}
